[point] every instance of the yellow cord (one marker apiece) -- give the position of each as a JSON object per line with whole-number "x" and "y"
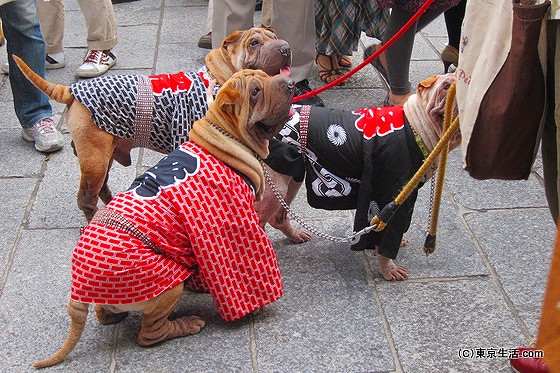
{"x": 443, "y": 144}
{"x": 430, "y": 245}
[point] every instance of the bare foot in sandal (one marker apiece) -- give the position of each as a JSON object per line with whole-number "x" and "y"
{"x": 389, "y": 270}
{"x": 328, "y": 67}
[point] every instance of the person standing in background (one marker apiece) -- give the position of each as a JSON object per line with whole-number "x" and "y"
{"x": 394, "y": 63}
{"x": 292, "y": 20}
{"x": 101, "y": 26}
{"x": 32, "y": 107}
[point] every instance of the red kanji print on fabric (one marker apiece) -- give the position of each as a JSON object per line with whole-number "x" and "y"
{"x": 175, "y": 83}
{"x": 379, "y": 121}
{"x": 205, "y": 225}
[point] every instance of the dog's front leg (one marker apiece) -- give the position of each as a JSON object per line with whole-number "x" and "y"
{"x": 271, "y": 211}
{"x": 156, "y": 327}
{"x": 281, "y": 221}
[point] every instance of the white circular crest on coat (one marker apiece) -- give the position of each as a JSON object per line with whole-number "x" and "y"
{"x": 336, "y": 134}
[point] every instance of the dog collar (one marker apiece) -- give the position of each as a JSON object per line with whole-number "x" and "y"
{"x": 227, "y": 134}
{"x": 421, "y": 143}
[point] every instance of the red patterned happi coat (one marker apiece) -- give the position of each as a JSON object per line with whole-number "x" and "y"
{"x": 199, "y": 214}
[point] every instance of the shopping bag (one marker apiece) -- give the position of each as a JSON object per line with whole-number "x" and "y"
{"x": 501, "y": 88}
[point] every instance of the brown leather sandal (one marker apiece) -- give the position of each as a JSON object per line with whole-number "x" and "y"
{"x": 345, "y": 62}
{"x": 327, "y": 74}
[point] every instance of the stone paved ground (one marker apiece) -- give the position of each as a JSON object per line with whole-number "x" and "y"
{"x": 480, "y": 291}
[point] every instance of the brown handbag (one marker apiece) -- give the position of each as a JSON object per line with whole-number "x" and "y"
{"x": 506, "y": 132}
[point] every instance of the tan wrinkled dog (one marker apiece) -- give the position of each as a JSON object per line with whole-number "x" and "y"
{"x": 105, "y": 126}
{"x": 249, "y": 109}
{"x": 336, "y": 156}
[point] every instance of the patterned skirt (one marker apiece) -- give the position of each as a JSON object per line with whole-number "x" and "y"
{"x": 339, "y": 23}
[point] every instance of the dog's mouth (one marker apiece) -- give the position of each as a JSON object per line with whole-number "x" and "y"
{"x": 266, "y": 130}
{"x": 285, "y": 70}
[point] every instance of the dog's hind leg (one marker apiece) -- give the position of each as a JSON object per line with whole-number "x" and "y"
{"x": 156, "y": 327}
{"x": 108, "y": 317}
{"x": 94, "y": 150}
{"x": 105, "y": 193}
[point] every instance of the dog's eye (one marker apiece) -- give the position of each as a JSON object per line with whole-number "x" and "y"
{"x": 447, "y": 85}
{"x": 254, "y": 43}
{"x": 255, "y": 91}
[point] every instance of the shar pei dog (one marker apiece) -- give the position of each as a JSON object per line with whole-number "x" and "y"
{"x": 357, "y": 160}
{"x": 109, "y": 115}
{"x": 188, "y": 221}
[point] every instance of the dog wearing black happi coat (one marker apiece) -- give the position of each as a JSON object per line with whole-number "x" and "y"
{"x": 357, "y": 160}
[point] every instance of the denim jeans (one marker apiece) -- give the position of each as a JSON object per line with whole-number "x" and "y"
{"x": 24, "y": 39}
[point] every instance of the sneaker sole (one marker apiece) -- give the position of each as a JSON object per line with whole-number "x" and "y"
{"x": 93, "y": 74}
{"x": 54, "y": 66}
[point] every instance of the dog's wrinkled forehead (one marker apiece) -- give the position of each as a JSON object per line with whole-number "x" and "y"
{"x": 257, "y": 36}
{"x": 247, "y": 77}
{"x": 436, "y": 83}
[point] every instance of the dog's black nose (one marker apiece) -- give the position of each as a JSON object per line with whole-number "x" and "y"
{"x": 291, "y": 85}
{"x": 285, "y": 51}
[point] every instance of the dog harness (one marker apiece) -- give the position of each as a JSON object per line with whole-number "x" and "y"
{"x": 146, "y": 109}
{"x": 352, "y": 160}
{"x": 188, "y": 216}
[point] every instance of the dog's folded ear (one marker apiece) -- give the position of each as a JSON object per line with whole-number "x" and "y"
{"x": 231, "y": 38}
{"x": 227, "y": 97}
{"x": 427, "y": 83}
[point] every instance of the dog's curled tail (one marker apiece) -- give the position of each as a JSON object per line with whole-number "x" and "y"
{"x": 57, "y": 92}
{"x": 78, "y": 313}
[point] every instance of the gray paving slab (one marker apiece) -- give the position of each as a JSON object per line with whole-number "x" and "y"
{"x": 481, "y": 291}
{"x": 15, "y": 194}
{"x": 328, "y": 319}
{"x": 431, "y": 322}
{"x": 510, "y": 239}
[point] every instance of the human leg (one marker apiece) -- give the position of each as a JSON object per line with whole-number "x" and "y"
{"x": 205, "y": 41}
{"x": 24, "y": 39}
{"x": 294, "y": 21}
{"x": 398, "y": 55}
{"x": 453, "y": 20}
{"x": 230, "y": 15}
{"x": 101, "y": 24}
{"x": 338, "y": 30}
{"x": 266, "y": 13}
{"x": 51, "y": 17}
{"x": 32, "y": 107}
{"x": 102, "y": 37}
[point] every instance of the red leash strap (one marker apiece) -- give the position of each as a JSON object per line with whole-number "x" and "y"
{"x": 394, "y": 38}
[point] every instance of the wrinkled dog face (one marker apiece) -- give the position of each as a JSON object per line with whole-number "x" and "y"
{"x": 433, "y": 92}
{"x": 261, "y": 50}
{"x": 263, "y": 106}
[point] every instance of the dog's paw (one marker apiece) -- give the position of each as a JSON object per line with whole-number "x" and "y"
{"x": 188, "y": 325}
{"x": 299, "y": 236}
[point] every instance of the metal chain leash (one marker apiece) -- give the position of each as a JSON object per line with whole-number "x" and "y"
{"x": 352, "y": 239}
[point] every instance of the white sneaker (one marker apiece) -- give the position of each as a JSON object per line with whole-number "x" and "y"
{"x": 55, "y": 61}
{"x": 45, "y": 135}
{"x": 5, "y": 67}
{"x": 96, "y": 62}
